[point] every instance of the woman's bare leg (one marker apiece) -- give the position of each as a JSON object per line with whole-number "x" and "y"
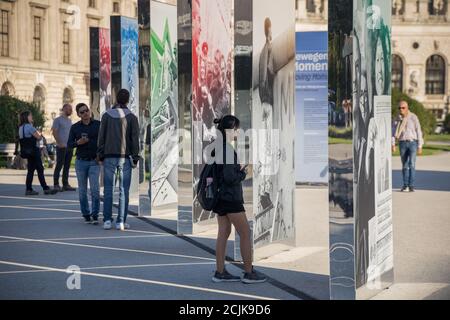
{"x": 221, "y": 244}
{"x": 239, "y": 221}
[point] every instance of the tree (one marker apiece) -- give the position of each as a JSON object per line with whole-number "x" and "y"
{"x": 447, "y": 123}
{"x": 426, "y": 117}
{"x": 10, "y": 109}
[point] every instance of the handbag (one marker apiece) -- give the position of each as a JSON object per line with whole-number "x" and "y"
{"x": 27, "y": 145}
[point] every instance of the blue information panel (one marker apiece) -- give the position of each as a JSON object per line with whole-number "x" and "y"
{"x": 311, "y": 84}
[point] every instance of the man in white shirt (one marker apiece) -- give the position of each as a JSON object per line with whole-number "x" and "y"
{"x": 408, "y": 133}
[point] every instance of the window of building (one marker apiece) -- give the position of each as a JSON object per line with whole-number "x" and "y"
{"x": 437, "y": 7}
{"x": 37, "y": 38}
{"x": 66, "y": 43}
{"x": 7, "y": 89}
{"x": 435, "y": 75}
{"x": 39, "y": 97}
{"x": 4, "y": 33}
{"x": 68, "y": 95}
{"x": 116, "y": 7}
{"x": 310, "y": 6}
{"x": 397, "y": 72}
{"x": 398, "y": 7}
{"x": 92, "y": 4}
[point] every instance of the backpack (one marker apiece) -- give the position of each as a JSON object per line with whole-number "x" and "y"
{"x": 27, "y": 145}
{"x": 208, "y": 187}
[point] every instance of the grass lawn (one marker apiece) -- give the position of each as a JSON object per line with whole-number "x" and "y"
{"x": 428, "y": 150}
{"x": 438, "y": 137}
{"x": 339, "y": 141}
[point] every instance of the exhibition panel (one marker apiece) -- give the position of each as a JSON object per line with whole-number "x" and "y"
{"x": 100, "y": 70}
{"x": 242, "y": 76}
{"x": 185, "y": 164}
{"x": 360, "y": 186}
{"x": 164, "y": 108}
{"x": 125, "y": 74}
{"x": 144, "y": 108}
{"x": 273, "y": 121}
{"x": 212, "y": 59}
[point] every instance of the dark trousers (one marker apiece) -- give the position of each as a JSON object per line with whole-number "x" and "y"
{"x": 35, "y": 164}
{"x": 63, "y": 159}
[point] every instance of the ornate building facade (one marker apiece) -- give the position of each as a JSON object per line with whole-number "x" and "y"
{"x": 44, "y": 48}
{"x": 420, "y": 47}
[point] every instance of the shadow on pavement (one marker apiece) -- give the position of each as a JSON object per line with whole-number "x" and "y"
{"x": 442, "y": 294}
{"x": 288, "y": 284}
{"x": 303, "y": 285}
{"x": 425, "y": 180}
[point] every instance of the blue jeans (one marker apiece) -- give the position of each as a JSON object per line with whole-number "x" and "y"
{"x": 88, "y": 170}
{"x": 408, "y": 153}
{"x": 122, "y": 168}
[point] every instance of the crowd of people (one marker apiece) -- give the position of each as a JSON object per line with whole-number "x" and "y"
{"x": 112, "y": 143}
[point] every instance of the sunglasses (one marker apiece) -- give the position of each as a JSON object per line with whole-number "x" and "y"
{"x": 401, "y": 108}
{"x": 83, "y": 111}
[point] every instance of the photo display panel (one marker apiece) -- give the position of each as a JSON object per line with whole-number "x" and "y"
{"x": 340, "y": 151}
{"x": 212, "y": 58}
{"x": 273, "y": 118}
{"x": 100, "y": 70}
{"x": 164, "y": 108}
{"x": 372, "y": 145}
{"x": 360, "y": 179}
{"x": 144, "y": 108}
{"x": 125, "y": 75}
{"x": 185, "y": 163}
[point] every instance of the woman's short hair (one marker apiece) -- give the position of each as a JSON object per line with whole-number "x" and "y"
{"x": 23, "y": 118}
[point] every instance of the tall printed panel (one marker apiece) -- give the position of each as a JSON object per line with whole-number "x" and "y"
{"x": 144, "y": 107}
{"x": 311, "y": 94}
{"x": 164, "y": 108}
{"x": 274, "y": 119}
{"x": 184, "y": 33}
{"x": 361, "y": 246}
{"x": 243, "y": 47}
{"x": 100, "y": 70}
{"x": 340, "y": 152}
{"x": 125, "y": 74}
{"x": 130, "y": 58}
{"x": 212, "y": 56}
{"x": 371, "y": 147}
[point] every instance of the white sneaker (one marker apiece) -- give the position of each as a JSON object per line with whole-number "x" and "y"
{"x": 122, "y": 226}
{"x": 107, "y": 225}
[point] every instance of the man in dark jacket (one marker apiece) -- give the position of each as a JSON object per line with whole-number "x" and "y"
{"x": 118, "y": 149}
{"x": 83, "y": 136}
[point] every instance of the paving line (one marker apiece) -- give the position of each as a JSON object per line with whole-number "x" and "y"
{"x": 108, "y": 248}
{"x": 41, "y": 209}
{"x": 161, "y": 283}
{"x": 38, "y": 219}
{"x": 118, "y": 267}
{"x": 93, "y": 238}
{"x": 38, "y": 199}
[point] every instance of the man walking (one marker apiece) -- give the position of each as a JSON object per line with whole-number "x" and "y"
{"x": 118, "y": 149}
{"x": 84, "y": 136}
{"x": 60, "y": 129}
{"x": 408, "y": 133}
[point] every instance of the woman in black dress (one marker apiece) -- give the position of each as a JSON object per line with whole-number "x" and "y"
{"x": 230, "y": 206}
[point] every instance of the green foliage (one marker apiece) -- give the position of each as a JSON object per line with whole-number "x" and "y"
{"x": 447, "y": 123}
{"x": 9, "y": 117}
{"x": 426, "y": 117}
{"x": 340, "y": 133}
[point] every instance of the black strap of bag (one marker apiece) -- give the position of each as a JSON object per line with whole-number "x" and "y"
{"x": 27, "y": 145}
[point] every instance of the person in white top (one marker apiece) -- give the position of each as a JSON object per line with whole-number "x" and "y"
{"x": 409, "y": 135}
